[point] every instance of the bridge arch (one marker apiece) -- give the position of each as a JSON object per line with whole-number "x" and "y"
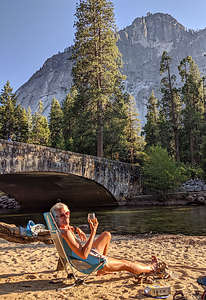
{"x": 120, "y": 181}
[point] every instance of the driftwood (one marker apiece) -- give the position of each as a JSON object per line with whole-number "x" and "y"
{"x": 11, "y": 233}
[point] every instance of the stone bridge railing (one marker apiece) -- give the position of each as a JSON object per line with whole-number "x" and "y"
{"x": 120, "y": 179}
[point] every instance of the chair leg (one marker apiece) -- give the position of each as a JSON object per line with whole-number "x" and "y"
{"x": 60, "y": 265}
{"x": 70, "y": 275}
{"x": 77, "y": 282}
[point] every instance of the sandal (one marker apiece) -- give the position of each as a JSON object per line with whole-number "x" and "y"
{"x": 159, "y": 272}
{"x": 178, "y": 295}
{"x": 160, "y": 269}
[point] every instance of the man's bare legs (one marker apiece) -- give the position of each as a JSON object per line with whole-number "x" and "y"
{"x": 101, "y": 244}
{"x": 115, "y": 265}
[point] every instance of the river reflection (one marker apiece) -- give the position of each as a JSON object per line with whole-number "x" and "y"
{"x": 126, "y": 220}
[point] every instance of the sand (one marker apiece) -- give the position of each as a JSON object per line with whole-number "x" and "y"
{"x": 28, "y": 271}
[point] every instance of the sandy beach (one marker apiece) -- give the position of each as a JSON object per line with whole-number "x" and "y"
{"x": 28, "y": 271}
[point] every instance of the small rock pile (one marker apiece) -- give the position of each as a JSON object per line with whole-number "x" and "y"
{"x": 8, "y": 203}
{"x": 198, "y": 198}
{"x": 194, "y": 185}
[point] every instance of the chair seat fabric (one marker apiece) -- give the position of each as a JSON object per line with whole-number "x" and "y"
{"x": 85, "y": 266}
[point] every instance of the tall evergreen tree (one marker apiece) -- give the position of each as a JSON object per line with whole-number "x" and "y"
{"x": 134, "y": 141}
{"x": 170, "y": 103}
{"x": 97, "y": 64}
{"x": 30, "y": 125}
{"x": 69, "y": 120}
{"x": 122, "y": 128}
{"x": 151, "y": 130}
{"x": 22, "y": 126}
{"x": 193, "y": 112}
{"x": 8, "y": 105}
{"x": 40, "y": 130}
{"x": 203, "y": 152}
{"x": 56, "y": 124}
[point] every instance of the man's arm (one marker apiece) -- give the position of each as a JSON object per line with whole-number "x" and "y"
{"x": 80, "y": 233}
{"x": 84, "y": 251}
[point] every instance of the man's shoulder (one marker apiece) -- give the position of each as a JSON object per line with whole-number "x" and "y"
{"x": 68, "y": 232}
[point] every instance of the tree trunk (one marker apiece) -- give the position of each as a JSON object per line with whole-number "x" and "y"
{"x": 191, "y": 147}
{"x": 174, "y": 119}
{"x": 177, "y": 147}
{"x": 100, "y": 152}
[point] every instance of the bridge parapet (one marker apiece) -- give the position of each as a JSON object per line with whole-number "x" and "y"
{"x": 122, "y": 180}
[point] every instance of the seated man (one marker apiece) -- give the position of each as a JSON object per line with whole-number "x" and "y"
{"x": 100, "y": 245}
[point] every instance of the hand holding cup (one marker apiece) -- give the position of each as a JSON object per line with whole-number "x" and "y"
{"x": 91, "y": 216}
{"x": 92, "y": 221}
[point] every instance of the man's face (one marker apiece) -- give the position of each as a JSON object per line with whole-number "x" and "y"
{"x": 63, "y": 217}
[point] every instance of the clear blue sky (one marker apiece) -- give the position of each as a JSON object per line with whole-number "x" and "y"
{"x": 33, "y": 30}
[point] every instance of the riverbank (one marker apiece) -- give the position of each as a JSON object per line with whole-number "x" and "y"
{"x": 27, "y": 271}
{"x": 171, "y": 199}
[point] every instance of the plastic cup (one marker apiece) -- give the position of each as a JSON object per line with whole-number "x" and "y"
{"x": 91, "y": 216}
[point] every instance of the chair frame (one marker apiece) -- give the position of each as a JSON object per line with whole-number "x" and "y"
{"x": 64, "y": 258}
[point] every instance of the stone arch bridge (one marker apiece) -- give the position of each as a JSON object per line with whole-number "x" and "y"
{"x": 36, "y": 176}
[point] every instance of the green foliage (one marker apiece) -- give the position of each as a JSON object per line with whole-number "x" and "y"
{"x": 170, "y": 108}
{"x": 7, "y": 112}
{"x": 40, "y": 128}
{"x": 192, "y": 112}
{"x": 133, "y": 143}
{"x": 151, "y": 128}
{"x": 22, "y": 126}
{"x": 70, "y": 119}
{"x": 161, "y": 172}
{"x": 56, "y": 124}
{"x": 30, "y": 125}
{"x": 193, "y": 172}
{"x": 203, "y": 160}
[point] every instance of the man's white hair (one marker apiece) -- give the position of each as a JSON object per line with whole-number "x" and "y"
{"x": 55, "y": 208}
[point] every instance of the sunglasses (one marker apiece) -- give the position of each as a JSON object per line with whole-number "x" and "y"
{"x": 67, "y": 213}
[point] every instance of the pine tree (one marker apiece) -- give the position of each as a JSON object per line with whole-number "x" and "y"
{"x": 22, "y": 126}
{"x": 30, "y": 125}
{"x": 8, "y": 105}
{"x": 69, "y": 120}
{"x": 40, "y": 131}
{"x": 134, "y": 141}
{"x": 56, "y": 124}
{"x": 170, "y": 104}
{"x": 115, "y": 122}
{"x": 151, "y": 129}
{"x": 97, "y": 64}
{"x": 193, "y": 112}
{"x": 203, "y": 151}
{"x": 1, "y": 120}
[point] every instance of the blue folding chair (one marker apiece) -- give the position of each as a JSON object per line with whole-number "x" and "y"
{"x": 68, "y": 257}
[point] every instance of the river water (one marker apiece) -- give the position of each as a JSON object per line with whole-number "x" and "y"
{"x": 189, "y": 220}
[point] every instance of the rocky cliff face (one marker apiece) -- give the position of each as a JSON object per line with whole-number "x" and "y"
{"x": 141, "y": 45}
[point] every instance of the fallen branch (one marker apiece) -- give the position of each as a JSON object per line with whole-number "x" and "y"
{"x": 11, "y": 233}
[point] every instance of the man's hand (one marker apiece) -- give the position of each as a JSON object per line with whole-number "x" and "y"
{"x": 81, "y": 234}
{"x": 93, "y": 223}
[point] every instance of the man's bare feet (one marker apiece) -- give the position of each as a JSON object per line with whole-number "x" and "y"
{"x": 154, "y": 263}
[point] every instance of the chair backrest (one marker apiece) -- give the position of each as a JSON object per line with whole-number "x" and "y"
{"x": 85, "y": 266}
{"x": 56, "y": 236}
